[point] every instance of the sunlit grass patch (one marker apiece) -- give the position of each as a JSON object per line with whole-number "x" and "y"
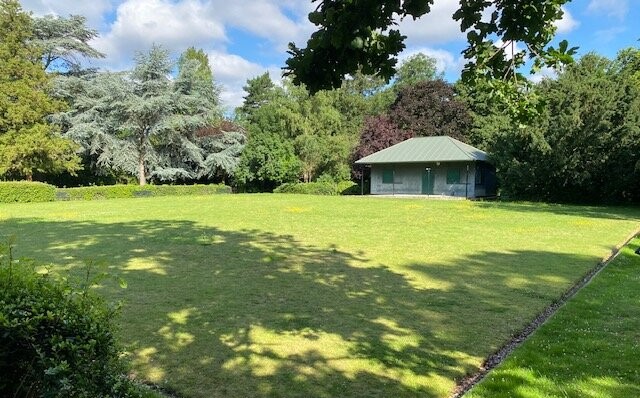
{"x": 588, "y": 349}
{"x": 296, "y": 295}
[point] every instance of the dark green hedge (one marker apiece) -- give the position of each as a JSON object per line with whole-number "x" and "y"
{"x": 134, "y": 191}
{"x": 26, "y": 191}
{"x": 320, "y": 188}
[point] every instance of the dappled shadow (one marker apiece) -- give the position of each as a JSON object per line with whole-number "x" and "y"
{"x": 587, "y": 349}
{"x": 221, "y": 313}
{"x": 607, "y": 212}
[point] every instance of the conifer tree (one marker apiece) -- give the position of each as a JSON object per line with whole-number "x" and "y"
{"x": 28, "y": 144}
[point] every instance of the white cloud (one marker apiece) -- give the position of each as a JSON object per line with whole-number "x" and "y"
{"x": 510, "y": 48}
{"x": 438, "y": 26}
{"x": 567, "y": 23}
{"x": 232, "y": 71}
{"x": 93, "y": 10}
{"x": 445, "y": 61}
{"x": 610, "y": 8}
{"x": 544, "y": 73}
{"x": 140, "y": 23}
{"x": 607, "y": 35}
{"x": 266, "y": 19}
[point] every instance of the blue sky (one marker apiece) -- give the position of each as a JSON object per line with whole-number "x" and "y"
{"x": 245, "y": 38}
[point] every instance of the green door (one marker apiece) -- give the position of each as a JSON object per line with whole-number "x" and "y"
{"x": 427, "y": 181}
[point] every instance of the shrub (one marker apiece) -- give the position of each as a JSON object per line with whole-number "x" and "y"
{"x": 56, "y": 341}
{"x": 135, "y": 191}
{"x": 26, "y": 191}
{"x": 348, "y": 188}
{"x": 319, "y": 188}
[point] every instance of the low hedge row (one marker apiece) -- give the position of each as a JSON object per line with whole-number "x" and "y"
{"x": 26, "y": 191}
{"x": 135, "y": 191}
{"x": 320, "y": 188}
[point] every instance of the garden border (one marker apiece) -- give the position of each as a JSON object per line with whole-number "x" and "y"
{"x": 495, "y": 359}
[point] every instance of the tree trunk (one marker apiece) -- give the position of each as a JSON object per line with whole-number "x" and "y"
{"x": 141, "y": 176}
{"x": 29, "y": 176}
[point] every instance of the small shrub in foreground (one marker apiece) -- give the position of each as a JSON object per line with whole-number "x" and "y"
{"x": 26, "y": 191}
{"x": 56, "y": 341}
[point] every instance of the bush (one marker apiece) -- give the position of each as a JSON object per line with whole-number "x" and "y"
{"x": 56, "y": 341}
{"x": 348, "y": 188}
{"x": 135, "y": 191}
{"x": 26, "y": 191}
{"x": 319, "y": 188}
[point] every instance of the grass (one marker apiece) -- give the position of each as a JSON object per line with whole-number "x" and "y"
{"x": 291, "y": 296}
{"x": 590, "y": 348}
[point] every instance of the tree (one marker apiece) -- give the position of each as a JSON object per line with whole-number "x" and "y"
{"x": 487, "y": 120}
{"x": 64, "y": 41}
{"x": 260, "y": 90}
{"x": 378, "y": 133}
{"x": 223, "y": 146}
{"x": 203, "y": 74}
{"x": 586, "y": 147}
{"x": 431, "y": 108}
{"x": 141, "y": 122}
{"x": 267, "y": 162}
{"x": 28, "y": 144}
{"x": 415, "y": 69}
{"x": 354, "y": 35}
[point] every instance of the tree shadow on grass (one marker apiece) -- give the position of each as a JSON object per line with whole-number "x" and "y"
{"x": 220, "y": 313}
{"x": 607, "y": 212}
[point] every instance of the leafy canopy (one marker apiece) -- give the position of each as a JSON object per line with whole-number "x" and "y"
{"x": 64, "y": 41}
{"x": 357, "y": 35}
{"x": 28, "y": 144}
{"x": 142, "y": 122}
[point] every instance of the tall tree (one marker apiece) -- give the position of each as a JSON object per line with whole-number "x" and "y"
{"x": 415, "y": 69}
{"x": 268, "y": 161}
{"x": 378, "y": 133}
{"x": 141, "y": 122}
{"x": 260, "y": 90}
{"x": 431, "y": 108}
{"x": 28, "y": 144}
{"x": 64, "y": 41}
{"x": 355, "y": 35}
{"x": 222, "y": 146}
{"x": 586, "y": 147}
{"x": 203, "y": 75}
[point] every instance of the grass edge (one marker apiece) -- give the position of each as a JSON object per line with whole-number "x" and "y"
{"x": 495, "y": 359}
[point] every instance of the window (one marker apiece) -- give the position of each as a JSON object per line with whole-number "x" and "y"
{"x": 453, "y": 176}
{"x": 479, "y": 180}
{"x": 387, "y": 176}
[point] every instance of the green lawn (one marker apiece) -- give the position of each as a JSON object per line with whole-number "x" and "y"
{"x": 292, "y": 296}
{"x": 590, "y": 348}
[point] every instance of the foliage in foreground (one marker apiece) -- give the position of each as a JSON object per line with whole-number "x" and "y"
{"x": 26, "y": 191}
{"x": 588, "y": 349}
{"x": 56, "y": 340}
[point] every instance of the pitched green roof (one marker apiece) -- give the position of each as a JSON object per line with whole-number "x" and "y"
{"x": 426, "y": 149}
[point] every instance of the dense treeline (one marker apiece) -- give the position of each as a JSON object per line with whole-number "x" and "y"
{"x": 585, "y": 144}
{"x": 162, "y": 120}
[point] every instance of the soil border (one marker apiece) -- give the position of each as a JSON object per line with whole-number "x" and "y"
{"x": 502, "y": 353}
